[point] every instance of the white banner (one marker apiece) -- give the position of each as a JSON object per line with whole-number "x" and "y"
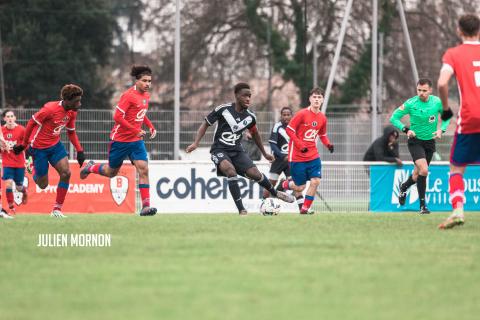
{"x": 193, "y": 187}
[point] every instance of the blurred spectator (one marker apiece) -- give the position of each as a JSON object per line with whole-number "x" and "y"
{"x": 250, "y": 146}
{"x": 385, "y": 148}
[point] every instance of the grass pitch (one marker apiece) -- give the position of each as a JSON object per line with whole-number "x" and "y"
{"x": 326, "y": 266}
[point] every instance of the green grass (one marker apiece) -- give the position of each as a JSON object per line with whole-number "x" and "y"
{"x": 327, "y": 266}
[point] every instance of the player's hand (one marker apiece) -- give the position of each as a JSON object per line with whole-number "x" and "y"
{"x": 141, "y": 133}
{"x": 411, "y": 134}
{"x": 447, "y": 114}
{"x": 191, "y": 147}
{"x": 330, "y": 148}
{"x": 285, "y": 158}
{"x": 437, "y": 134}
{"x": 399, "y": 162}
{"x": 18, "y": 148}
{"x": 269, "y": 157}
{"x": 153, "y": 133}
{"x": 4, "y": 145}
{"x": 81, "y": 158}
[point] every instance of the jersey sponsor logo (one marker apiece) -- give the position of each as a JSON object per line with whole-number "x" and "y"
{"x": 119, "y": 189}
{"x": 58, "y": 130}
{"x": 431, "y": 119}
{"x": 400, "y": 176}
{"x": 140, "y": 115}
{"x": 230, "y": 138}
{"x": 310, "y": 135}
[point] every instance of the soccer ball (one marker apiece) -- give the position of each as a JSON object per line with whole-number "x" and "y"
{"x": 270, "y": 207}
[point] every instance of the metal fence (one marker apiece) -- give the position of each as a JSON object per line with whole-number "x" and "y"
{"x": 350, "y": 132}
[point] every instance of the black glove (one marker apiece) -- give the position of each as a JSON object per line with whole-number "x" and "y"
{"x": 447, "y": 114}
{"x": 303, "y": 150}
{"x": 330, "y": 148}
{"x": 18, "y": 148}
{"x": 80, "y": 158}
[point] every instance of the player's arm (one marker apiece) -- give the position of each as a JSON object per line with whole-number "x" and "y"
{"x": 396, "y": 117}
{"x": 149, "y": 124}
{"x": 292, "y": 132}
{"x": 198, "y": 137}
{"x": 324, "y": 138}
{"x": 73, "y": 137}
{"x": 31, "y": 124}
{"x": 258, "y": 141}
{"x": 446, "y": 74}
{"x": 273, "y": 143}
{"x": 3, "y": 144}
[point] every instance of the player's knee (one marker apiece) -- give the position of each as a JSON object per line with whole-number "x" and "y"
{"x": 423, "y": 171}
{"x": 315, "y": 182}
{"x": 42, "y": 184}
{"x": 65, "y": 175}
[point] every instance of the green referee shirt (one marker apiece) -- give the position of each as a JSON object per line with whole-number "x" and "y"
{"x": 423, "y": 116}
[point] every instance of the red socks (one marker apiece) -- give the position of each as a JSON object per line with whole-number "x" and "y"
{"x": 145, "y": 194}
{"x": 457, "y": 188}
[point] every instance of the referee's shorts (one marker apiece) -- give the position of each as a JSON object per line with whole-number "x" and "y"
{"x": 421, "y": 149}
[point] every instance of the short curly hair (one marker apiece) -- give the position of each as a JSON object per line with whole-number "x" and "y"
{"x": 70, "y": 91}
{"x": 139, "y": 71}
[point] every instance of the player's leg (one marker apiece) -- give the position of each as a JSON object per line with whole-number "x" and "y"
{"x": 266, "y": 194}
{"x": 422, "y": 166}
{"x": 19, "y": 178}
{"x": 40, "y": 166}
{"x": 225, "y": 168}
{"x": 117, "y": 152}
{"x": 313, "y": 171}
{"x": 465, "y": 150}
{"x": 137, "y": 153}
{"x": 298, "y": 179}
{"x": 7, "y": 177}
{"x": 3, "y": 213}
{"x": 245, "y": 166}
{"x": 413, "y": 148}
{"x": 63, "y": 169}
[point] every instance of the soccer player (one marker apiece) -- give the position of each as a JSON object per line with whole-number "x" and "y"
{"x": 279, "y": 145}
{"x": 305, "y": 164}
{"x": 13, "y": 165}
{"x": 424, "y": 110}
{"x": 45, "y": 147}
{"x": 463, "y": 61}
{"x": 127, "y": 136}
{"x": 4, "y": 146}
{"x": 227, "y": 152}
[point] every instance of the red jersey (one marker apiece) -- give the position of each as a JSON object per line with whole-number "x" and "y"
{"x": 51, "y": 119}
{"x": 12, "y": 137}
{"x": 133, "y": 107}
{"x": 303, "y": 130}
{"x": 464, "y": 61}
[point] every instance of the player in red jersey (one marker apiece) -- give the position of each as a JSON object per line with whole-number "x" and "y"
{"x": 463, "y": 62}
{"x": 4, "y": 147}
{"x": 305, "y": 164}
{"x": 45, "y": 147}
{"x": 127, "y": 136}
{"x": 13, "y": 165}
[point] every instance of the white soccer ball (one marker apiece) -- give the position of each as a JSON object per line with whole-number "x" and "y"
{"x": 270, "y": 207}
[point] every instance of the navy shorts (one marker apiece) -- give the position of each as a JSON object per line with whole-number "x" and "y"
{"x": 239, "y": 159}
{"x": 41, "y": 157}
{"x": 119, "y": 151}
{"x": 15, "y": 174}
{"x": 304, "y": 171}
{"x": 465, "y": 149}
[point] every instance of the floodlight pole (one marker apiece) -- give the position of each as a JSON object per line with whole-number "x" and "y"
{"x": 374, "y": 81}
{"x": 176, "y": 113}
{"x": 408, "y": 42}
{"x": 336, "y": 57}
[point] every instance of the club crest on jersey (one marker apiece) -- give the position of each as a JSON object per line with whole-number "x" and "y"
{"x": 314, "y": 123}
{"x": 9, "y": 136}
{"x": 144, "y": 101}
{"x": 119, "y": 189}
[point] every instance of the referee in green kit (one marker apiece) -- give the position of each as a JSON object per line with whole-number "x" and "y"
{"x": 424, "y": 110}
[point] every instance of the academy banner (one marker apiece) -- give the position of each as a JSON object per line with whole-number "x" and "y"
{"x": 96, "y": 194}
{"x": 385, "y": 185}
